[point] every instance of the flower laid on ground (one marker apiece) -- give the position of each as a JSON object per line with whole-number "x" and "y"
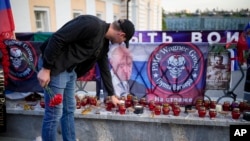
{"x": 55, "y": 99}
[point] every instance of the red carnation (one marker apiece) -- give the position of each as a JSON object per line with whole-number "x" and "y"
{"x": 56, "y": 100}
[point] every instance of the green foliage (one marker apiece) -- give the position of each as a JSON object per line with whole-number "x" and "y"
{"x": 164, "y": 24}
{"x": 218, "y": 48}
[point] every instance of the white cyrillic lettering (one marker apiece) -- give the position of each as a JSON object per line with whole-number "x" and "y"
{"x": 211, "y": 35}
{"x": 152, "y": 35}
{"x": 196, "y": 37}
{"x": 233, "y": 37}
{"x": 166, "y": 38}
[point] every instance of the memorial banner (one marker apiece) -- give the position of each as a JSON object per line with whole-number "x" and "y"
{"x": 218, "y": 36}
{"x": 22, "y": 79}
{"x": 167, "y": 72}
{"x": 2, "y": 103}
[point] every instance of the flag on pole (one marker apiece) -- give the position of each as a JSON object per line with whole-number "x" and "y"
{"x": 6, "y": 23}
{"x": 6, "y": 32}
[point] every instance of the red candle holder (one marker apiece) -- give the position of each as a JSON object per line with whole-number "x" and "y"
{"x": 130, "y": 97}
{"x": 235, "y": 113}
{"x": 157, "y": 110}
{"x": 242, "y": 106}
{"x": 122, "y": 109}
{"x": 128, "y": 103}
{"x": 198, "y": 105}
{"x": 84, "y": 101}
{"x": 151, "y": 105}
{"x": 207, "y": 104}
{"x": 143, "y": 102}
{"x": 226, "y": 106}
{"x": 212, "y": 113}
{"x": 165, "y": 109}
{"x": 176, "y": 110}
{"x": 109, "y": 105}
{"x": 213, "y": 104}
{"x": 202, "y": 111}
{"x": 78, "y": 104}
{"x": 42, "y": 103}
{"x": 174, "y": 104}
{"x": 93, "y": 101}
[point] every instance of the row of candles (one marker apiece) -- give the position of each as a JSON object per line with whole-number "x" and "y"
{"x": 236, "y": 108}
{"x": 202, "y": 106}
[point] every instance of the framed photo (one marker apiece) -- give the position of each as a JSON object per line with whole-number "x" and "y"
{"x": 218, "y": 72}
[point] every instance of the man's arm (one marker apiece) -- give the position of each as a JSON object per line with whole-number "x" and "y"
{"x": 103, "y": 64}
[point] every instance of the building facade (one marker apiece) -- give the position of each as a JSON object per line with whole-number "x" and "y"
{"x": 50, "y": 15}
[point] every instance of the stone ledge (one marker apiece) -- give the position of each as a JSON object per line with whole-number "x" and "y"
{"x": 185, "y": 119}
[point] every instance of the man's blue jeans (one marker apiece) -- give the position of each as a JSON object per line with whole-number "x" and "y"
{"x": 64, "y": 84}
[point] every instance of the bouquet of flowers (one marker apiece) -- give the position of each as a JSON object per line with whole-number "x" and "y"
{"x": 55, "y": 99}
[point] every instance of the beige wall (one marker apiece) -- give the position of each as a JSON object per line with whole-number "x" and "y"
{"x": 101, "y": 8}
{"x": 50, "y": 4}
{"x": 78, "y": 5}
{"x": 116, "y": 9}
{"x": 144, "y": 16}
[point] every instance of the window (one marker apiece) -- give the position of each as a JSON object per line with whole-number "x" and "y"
{"x": 115, "y": 18}
{"x": 77, "y": 13}
{"x": 99, "y": 15}
{"x": 41, "y": 17}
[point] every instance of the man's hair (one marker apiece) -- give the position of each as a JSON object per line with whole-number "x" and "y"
{"x": 116, "y": 26}
{"x": 125, "y": 26}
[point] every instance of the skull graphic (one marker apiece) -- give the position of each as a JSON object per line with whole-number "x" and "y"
{"x": 175, "y": 65}
{"x": 16, "y": 57}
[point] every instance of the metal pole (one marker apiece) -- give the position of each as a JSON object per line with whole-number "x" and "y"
{"x": 127, "y": 8}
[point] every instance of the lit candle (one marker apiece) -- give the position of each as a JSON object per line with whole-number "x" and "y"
{"x": 218, "y": 107}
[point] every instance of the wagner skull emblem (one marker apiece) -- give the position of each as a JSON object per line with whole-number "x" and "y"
{"x": 16, "y": 57}
{"x": 175, "y": 65}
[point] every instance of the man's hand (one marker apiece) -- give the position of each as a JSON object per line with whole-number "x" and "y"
{"x": 43, "y": 77}
{"x": 115, "y": 100}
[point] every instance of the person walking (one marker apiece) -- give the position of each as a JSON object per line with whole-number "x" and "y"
{"x": 67, "y": 55}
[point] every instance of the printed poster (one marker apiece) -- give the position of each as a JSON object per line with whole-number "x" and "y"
{"x": 169, "y": 72}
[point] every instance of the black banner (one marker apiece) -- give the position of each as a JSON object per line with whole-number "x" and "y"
{"x": 2, "y": 103}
